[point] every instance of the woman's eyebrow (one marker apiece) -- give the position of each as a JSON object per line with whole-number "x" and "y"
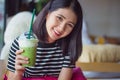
{"x": 62, "y": 16}
{"x": 65, "y": 18}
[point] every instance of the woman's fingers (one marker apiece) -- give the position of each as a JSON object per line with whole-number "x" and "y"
{"x": 18, "y": 52}
{"x": 20, "y": 57}
{"x": 19, "y": 67}
{"x": 20, "y": 60}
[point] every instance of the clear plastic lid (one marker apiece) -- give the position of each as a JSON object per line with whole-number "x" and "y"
{"x": 26, "y": 36}
{"x": 25, "y": 41}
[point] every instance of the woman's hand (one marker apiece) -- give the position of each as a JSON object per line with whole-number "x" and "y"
{"x": 19, "y": 60}
{"x": 19, "y": 69}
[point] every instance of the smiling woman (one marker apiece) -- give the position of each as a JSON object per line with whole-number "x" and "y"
{"x": 58, "y": 28}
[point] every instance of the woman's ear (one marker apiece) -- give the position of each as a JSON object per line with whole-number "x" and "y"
{"x": 48, "y": 14}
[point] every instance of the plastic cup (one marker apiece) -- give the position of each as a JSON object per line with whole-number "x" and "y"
{"x": 29, "y": 46}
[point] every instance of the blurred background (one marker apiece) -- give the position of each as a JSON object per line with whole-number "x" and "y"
{"x": 102, "y": 17}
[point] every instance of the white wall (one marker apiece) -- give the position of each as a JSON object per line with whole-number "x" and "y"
{"x": 102, "y": 17}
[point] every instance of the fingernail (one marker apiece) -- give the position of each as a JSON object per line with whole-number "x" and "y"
{"x": 27, "y": 62}
{"x": 22, "y": 50}
{"x": 26, "y": 58}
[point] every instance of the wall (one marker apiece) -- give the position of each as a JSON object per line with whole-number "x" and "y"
{"x": 102, "y": 17}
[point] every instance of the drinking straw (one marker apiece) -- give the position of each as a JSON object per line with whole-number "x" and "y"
{"x": 30, "y": 30}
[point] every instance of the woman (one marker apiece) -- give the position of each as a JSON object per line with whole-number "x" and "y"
{"x": 58, "y": 28}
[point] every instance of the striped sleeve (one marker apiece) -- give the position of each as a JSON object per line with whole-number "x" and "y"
{"x": 67, "y": 62}
{"x": 11, "y": 58}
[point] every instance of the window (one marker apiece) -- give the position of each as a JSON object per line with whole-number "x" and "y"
{"x": 2, "y": 22}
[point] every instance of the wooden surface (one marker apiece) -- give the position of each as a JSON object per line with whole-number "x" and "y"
{"x": 2, "y": 68}
{"x": 99, "y": 67}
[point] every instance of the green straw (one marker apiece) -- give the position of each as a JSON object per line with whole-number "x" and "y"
{"x": 30, "y": 30}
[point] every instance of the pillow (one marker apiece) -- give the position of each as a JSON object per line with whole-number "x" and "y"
{"x": 100, "y": 53}
{"x": 18, "y": 24}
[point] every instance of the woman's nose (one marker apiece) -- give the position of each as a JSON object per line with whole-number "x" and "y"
{"x": 62, "y": 27}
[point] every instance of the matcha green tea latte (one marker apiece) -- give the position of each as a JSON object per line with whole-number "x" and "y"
{"x": 28, "y": 42}
{"x": 29, "y": 46}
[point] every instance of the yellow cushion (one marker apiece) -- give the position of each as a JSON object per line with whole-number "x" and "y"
{"x": 100, "y": 53}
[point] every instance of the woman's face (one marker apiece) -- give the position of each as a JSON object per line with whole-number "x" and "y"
{"x": 60, "y": 23}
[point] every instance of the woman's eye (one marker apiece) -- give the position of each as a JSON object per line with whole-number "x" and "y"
{"x": 71, "y": 25}
{"x": 59, "y": 18}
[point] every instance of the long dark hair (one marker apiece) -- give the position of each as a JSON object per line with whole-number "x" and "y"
{"x": 72, "y": 44}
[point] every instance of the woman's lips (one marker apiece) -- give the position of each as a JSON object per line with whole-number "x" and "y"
{"x": 57, "y": 33}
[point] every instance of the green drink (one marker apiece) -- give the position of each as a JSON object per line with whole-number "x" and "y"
{"x": 29, "y": 46}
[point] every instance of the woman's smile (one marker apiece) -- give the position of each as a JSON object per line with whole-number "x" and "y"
{"x": 57, "y": 32}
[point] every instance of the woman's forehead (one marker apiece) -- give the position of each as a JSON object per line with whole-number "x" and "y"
{"x": 66, "y": 12}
